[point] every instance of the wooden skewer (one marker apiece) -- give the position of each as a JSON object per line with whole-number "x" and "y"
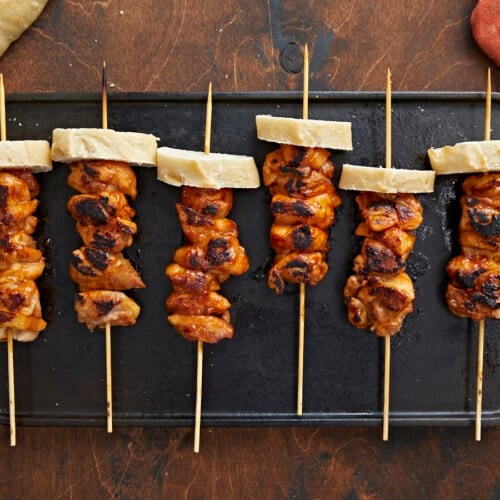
{"x": 10, "y": 341}
{"x": 387, "y": 339}
{"x": 199, "y": 351}
{"x": 480, "y": 338}
{"x": 302, "y": 293}
{"x": 109, "y": 383}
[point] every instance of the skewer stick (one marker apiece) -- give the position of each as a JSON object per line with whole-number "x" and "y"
{"x": 109, "y": 383}
{"x": 10, "y": 343}
{"x": 480, "y": 339}
{"x": 302, "y": 295}
{"x": 199, "y": 350}
{"x": 387, "y": 340}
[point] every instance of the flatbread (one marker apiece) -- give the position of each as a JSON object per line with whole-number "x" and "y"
{"x": 15, "y": 17}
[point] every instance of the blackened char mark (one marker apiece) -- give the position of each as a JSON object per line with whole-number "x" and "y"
{"x": 77, "y": 263}
{"x": 194, "y": 218}
{"x": 381, "y": 259}
{"x": 89, "y": 170}
{"x": 218, "y": 252}
{"x": 484, "y": 224}
{"x": 14, "y": 301}
{"x": 295, "y": 207}
{"x": 467, "y": 279}
{"x": 104, "y": 241}
{"x": 95, "y": 210}
{"x": 4, "y": 193}
{"x": 302, "y": 237}
{"x": 104, "y": 306}
{"x": 97, "y": 258}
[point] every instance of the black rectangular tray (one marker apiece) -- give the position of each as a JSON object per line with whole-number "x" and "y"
{"x": 251, "y": 380}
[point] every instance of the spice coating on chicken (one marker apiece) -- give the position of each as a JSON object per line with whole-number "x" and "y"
{"x": 211, "y": 254}
{"x": 380, "y": 294}
{"x": 474, "y": 288}
{"x": 98, "y": 176}
{"x": 20, "y": 261}
{"x": 104, "y": 222}
{"x": 303, "y": 206}
{"x": 95, "y": 308}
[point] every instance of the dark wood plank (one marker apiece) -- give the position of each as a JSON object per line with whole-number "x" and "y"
{"x": 251, "y": 463}
{"x": 151, "y": 47}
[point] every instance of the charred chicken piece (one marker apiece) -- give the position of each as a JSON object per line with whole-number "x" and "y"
{"x": 95, "y": 308}
{"x": 103, "y": 176}
{"x": 211, "y": 303}
{"x": 296, "y": 267}
{"x": 383, "y": 211}
{"x": 379, "y": 303}
{"x": 191, "y": 281}
{"x": 299, "y": 238}
{"x": 210, "y": 329}
{"x": 16, "y": 204}
{"x": 28, "y": 178}
{"x": 198, "y": 228}
{"x": 96, "y": 209}
{"x": 210, "y": 202}
{"x": 20, "y": 309}
{"x": 95, "y": 269}
{"x": 474, "y": 290}
{"x": 221, "y": 255}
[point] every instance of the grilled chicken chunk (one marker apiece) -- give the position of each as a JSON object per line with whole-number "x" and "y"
{"x": 103, "y": 176}
{"x": 20, "y": 309}
{"x": 296, "y": 267}
{"x": 474, "y": 288}
{"x": 95, "y": 269}
{"x": 210, "y": 329}
{"x": 198, "y": 228}
{"x": 300, "y": 238}
{"x": 222, "y": 255}
{"x": 95, "y": 308}
{"x": 211, "y": 303}
{"x": 379, "y": 303}
{"x": 211, "y": 202}
{"x": 191, "y": 281}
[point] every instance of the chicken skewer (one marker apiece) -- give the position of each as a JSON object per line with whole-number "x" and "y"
{"x": 472, "y": 291}
{"x": 304, "y": 198}
{"x": 213, "y": 252}
{"x": 199, "y": 350}
{"x": 380, "y": 294}
{"x": 107, "y": 328}
{"x": 10, "y": 343}
{"x": 100, "y": 162}
{"x": 20, "y": 261}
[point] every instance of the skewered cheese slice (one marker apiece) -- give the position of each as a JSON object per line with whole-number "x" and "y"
{"x": 75, "y": 144}
{"x": 180, "y": 167}
{"x": 466, "y": 157}
{"x": 386, "y": 180}
{"x": 307, "y": 133}
{"x": 33, "y": 155}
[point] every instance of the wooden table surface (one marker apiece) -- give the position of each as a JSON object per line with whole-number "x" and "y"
{"x": 249, "y": 46}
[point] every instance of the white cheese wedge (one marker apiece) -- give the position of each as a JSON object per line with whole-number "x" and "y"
{"x": 75, "y": 144}
{"x": 180, "y": 167}
{"x": 307, "y": 133}
{"x": 386, "y": 180}
{"x": 32, "y": 155}
{"x": 466, "y": 157}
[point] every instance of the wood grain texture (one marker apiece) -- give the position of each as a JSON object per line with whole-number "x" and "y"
{"x": 266, "y": 463}
{"x": 180, "y": 45}
{"x": 248, "y": 46}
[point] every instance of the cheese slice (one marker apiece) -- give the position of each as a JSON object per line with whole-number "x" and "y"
{"x": 180, "y": 167}
{"x": 308, "y": 133}
{"x": 75, "y": 144}
{"x": 386, "y": 180}
{"x": 466, "y": 157}
{"x": 33, "y": 155}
